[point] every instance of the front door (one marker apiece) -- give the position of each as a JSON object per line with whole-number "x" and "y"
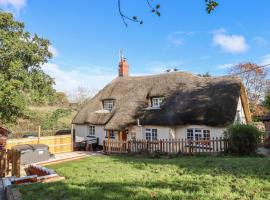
{"x": 122, "y": 136}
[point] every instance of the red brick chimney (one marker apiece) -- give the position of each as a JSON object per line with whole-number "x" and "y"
{"x": 123, "y": 67}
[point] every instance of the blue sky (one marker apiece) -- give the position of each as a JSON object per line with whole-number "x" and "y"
{"x": 86, "y": 36}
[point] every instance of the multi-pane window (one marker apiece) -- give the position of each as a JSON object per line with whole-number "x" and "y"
{"x": 92, "y": 130}
{"x": 112, "y": 134}
{"x": 157, "y": 101}
{"x": 198, "y": 134}
{"x": 108, "y": 104}
{"x": 190, "y": 134}
{"x": 150, "y": 134}
{"x": 206, "y": 134}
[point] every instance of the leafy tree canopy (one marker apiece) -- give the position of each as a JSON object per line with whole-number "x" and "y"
{"x": 21, "y": 77}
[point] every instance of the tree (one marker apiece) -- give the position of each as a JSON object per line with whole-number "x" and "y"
{"x": 21, "y": 77}
{"x": 60, "y": 99}
{"x": 255, "y": 81}
{"x": 154, "y": 8}
{"x": 81, "y": 94}
{"x": 266, "y": 102}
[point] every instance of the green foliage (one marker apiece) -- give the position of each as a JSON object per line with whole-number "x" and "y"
{"x": 59, "y": 99}
{"x": 186, "y": 178}
{"x": 210, "y": 5}
{"x": 52, "y": 119}
{"x": 266, "y": 102}
{"x": 243, "y": 139}
{"x": 22, "y": 79}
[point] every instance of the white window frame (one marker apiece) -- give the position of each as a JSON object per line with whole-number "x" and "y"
{"x": 198, "y": 134}
{"x": 112, "y": 134}
{"x": 108, "y": 104}
{"x": 92, "y": 130}
{"x": 156, "y": 102}
{"x": 151, "y": 134}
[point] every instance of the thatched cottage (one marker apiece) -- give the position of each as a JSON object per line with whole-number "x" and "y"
{"x": 163, "y": 106}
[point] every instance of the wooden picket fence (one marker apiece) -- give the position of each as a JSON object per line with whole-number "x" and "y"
{"x": 215, "y": 145}
{"x": 10, "y": 163}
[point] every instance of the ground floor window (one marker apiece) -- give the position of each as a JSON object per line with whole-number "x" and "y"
{"x": 92, "y": 130}
{"x": 198, "y": 134}
{"x": 112, "y": 134}
{"x": 151, "y": 134}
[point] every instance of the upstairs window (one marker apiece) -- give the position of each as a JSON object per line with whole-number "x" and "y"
{"x": 91, "y": 130}
{"x": 157, "y": 101}
{"x": 108, "y": 104}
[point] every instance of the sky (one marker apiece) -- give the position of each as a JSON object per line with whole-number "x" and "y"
{"x": 86, "y": 36}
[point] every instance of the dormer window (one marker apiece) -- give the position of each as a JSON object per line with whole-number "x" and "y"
{"x": 108, "y": 104}
{"x": 157, "y": 101}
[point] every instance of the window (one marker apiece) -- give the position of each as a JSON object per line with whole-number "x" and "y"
{"x": 108, "y": 104}
{"x": 206, "y": 134}
{"x": 198, "y": 134}
{"x": 112, "y": 134}
{"x": 150, "y": 134}
{"x": 190, "y": 134}
{"x": 157, "y": 101}
{"x": 92, "y": 130}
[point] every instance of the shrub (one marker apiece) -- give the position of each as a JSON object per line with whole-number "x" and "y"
{"x": 243, "y": 139}
{"x": 155, "y": 154}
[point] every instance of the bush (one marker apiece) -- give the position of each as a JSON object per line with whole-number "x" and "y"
{"x": 243, "y": 139}
{"x": 155, "y": 154}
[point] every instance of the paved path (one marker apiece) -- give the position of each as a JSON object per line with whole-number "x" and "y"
{"x": 2, "y": 190}
{"x": 264, "y": 151}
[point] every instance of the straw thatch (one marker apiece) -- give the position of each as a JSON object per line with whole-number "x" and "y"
{"x": 189, "y": 99}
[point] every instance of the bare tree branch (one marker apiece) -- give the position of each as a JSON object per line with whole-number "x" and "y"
{"x": 210, "y": 7}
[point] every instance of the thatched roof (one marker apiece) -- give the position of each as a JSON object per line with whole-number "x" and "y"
{"x": 189, "y": 99}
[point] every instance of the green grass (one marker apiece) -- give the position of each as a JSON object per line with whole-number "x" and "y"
{"x": 120, "y": 178}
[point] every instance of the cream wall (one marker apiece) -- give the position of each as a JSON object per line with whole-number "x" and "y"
{"x": 163, "y": 132}
{"x": 181, "y": 131}
{"x": 240, "y": 112}
{"x": 83, "y": 131}
{"x": 178, "y": 132}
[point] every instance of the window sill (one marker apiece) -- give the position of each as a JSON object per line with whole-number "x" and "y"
{"x": 153, "y": 108}
{"x": 102, "y": 111}
{"x": 110, "y": 137}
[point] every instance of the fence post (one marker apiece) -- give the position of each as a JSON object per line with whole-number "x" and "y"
{"x": 39, "y": 131}
{"x": 104, "y": 147}
{"x": 189, "y": 147}
{"x": 72, "y": 137}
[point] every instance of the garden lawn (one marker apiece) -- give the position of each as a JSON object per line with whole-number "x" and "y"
{"x": 116, "y": 177}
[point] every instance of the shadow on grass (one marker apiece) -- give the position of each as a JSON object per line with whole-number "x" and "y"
{"x": 115, "y": 190}
{"x": 254, "y": 167}
{"x": 177, "y": 178}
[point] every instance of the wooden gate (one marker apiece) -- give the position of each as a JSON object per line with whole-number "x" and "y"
{"x": 10, "y": 162}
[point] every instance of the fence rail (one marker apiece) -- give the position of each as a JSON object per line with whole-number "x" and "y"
{"x": 214, "y": 145}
